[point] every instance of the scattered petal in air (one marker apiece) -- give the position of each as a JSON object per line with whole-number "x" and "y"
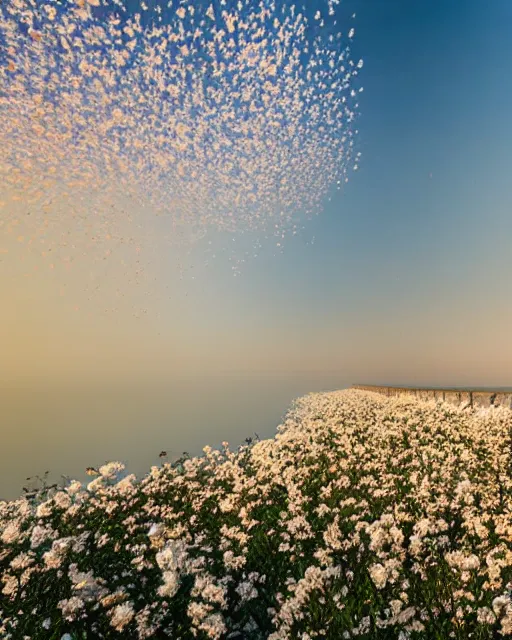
{"x": 221, "y": 116}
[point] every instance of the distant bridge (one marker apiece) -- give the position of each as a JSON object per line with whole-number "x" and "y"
{"x": 468, "y": 397}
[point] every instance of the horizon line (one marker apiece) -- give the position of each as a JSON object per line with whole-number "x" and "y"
{"x": 438, "y": 388}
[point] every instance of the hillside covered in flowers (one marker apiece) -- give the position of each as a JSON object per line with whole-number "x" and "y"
{"x": 365, "y": 517}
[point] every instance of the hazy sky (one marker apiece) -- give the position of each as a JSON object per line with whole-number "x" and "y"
{"x": 407, "y": 278}
{"x": 406, "y": 282}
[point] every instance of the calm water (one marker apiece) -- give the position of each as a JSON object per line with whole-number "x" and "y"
{"x": 66, "y": 429}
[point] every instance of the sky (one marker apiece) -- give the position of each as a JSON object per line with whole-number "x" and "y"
{"x": 402, "y": 279}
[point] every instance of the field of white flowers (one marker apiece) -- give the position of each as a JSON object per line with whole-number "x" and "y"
{"x": 365, "y": 517}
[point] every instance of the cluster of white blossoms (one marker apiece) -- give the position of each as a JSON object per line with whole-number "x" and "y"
{"x": 364, "y": 513}
{"x": 233, "y": 115}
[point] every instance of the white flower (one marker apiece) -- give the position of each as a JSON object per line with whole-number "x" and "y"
{"x": 122, "y": 614}
{"x": 44, "y": 509}
{"x": 70, "y": 607}
{"x": 96, "y": 484}
{"x": 39, "y": 535}
{"x": 11, "y": 533}
{"x": 379, "y": 575}
{"x": 171, "y": 584}
{"x": 246, "y": 591}
{"x": 126, "y": 484}
{"x": 485, "y": 616}
{"x": 62, "y": 500}
{"x": 499, "y": 603}
{"x": 156, "y": 530}
{"x": 111, "y": 470}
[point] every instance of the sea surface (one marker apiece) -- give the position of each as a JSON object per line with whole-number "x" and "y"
{"x": 67, "y": 427}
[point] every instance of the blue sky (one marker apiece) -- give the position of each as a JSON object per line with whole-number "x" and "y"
{"x": 402, "y": 278}
{"x": 413, "y": 257}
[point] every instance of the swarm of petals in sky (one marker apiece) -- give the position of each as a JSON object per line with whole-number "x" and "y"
{"x": 233, "y": 116}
